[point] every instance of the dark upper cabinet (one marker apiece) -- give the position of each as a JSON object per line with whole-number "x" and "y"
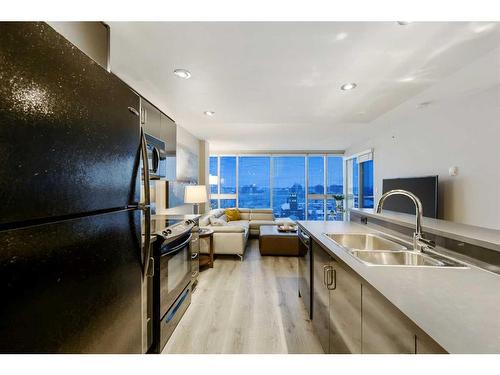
{"x": 92, "y": 37}
{"x": 169, "y": 136}
{"x": 151, "y": 119}
{"x": 69, "y": 144}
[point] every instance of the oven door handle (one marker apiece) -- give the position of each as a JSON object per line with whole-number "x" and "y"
{"x": 179, "y": 247}
{"x": 172, "y": 312}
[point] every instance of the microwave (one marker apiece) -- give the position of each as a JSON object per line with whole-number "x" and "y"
{"x": 157, "y": 157}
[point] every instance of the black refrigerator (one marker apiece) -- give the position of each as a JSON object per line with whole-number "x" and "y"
{"x": 71, "y": 259}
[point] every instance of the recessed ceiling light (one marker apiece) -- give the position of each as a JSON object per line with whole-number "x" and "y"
{"x": 348, "y": 86}
{"x": 182, "y": 73}
{"x": 341, "y": 36}
{"x": 209, "y": 113}
{"x": 403, "y": 23}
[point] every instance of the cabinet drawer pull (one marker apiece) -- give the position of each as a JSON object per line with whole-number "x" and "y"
{"x": 325, "y": 274}
{"x": 332, "y": 279}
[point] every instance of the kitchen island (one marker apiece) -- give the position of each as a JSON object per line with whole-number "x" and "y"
{"x": 459, "y": 308}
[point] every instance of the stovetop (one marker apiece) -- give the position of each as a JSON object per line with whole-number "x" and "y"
{"x": 161, "y": 222}
{"x": 168, "y": 226}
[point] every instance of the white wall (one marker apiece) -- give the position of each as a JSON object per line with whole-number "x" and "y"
{"x": 463, "y": 131}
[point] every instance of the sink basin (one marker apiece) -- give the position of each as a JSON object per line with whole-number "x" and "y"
{"x": 403, "y": 258}
{"x": 352, "y": 241}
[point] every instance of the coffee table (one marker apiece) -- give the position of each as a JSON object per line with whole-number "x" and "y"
{"x": 274, "y": 242}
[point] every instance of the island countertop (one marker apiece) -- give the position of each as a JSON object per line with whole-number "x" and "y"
{"x": 458, "y": 307}
{"x": 484, "y": 237}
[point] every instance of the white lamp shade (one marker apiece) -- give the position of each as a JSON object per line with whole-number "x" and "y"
{"x": 195, "y": 194}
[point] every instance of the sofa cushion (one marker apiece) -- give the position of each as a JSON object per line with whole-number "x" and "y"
{"x": 228, "y": 229}
{"x": 218, "y": 212}
{"x": 257, "y": 223}
{"x": 244, "y": 213}
{"x": 217, "y": 222}
{"x": 262, "y": 210}
{"x": 204, "y": 220}
{"x": 261, "y": 215}
{"x": 241, "y": 223}
{"x": 232, "y": 214}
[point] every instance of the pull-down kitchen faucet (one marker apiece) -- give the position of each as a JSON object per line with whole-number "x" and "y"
{"x": 419, "y": 242}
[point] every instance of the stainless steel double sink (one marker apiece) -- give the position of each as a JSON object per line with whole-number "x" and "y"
{"x": 377, "y": 250}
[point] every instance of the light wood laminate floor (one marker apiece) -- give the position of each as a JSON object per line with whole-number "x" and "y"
{"x": 246, "y": 307}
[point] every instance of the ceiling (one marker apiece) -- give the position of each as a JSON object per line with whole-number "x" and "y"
{"x": 276, "y": 85}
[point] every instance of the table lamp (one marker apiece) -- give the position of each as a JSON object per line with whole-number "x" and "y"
{"x": 195, "y": 194}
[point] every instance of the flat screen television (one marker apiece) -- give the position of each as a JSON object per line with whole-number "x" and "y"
{"x": 425, "y": 188}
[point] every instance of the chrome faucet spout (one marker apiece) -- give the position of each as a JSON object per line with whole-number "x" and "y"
{"x": 419, "y": 242}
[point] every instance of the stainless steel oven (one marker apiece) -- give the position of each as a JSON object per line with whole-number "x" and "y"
{"x": 172, "y": 278}
{"x": 175, "y": 270}
{"x": 195, "y": 256}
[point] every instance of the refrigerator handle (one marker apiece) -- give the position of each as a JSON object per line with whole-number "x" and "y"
{"x": 145, "y": 169}
{"x": 145, "y": 206}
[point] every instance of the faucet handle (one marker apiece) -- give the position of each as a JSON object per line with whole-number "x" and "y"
{"x": 428, "y": 243}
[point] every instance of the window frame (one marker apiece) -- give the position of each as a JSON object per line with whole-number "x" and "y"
{"x": 238, "y": 181}
{"x": 305, "y": 175}
{"x": 325, "y": 197}
{"x": 367, "y": 153}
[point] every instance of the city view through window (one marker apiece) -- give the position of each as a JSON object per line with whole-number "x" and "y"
{"x": 298, "y": 187}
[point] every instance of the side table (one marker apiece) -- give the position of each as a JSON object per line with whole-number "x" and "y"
{"x": 207, "y": 258}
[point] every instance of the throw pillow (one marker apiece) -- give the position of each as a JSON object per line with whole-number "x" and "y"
{"x": 233, "y": 214}
{"x": 216, "y": 222}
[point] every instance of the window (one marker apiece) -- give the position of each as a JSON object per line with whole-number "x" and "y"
{"x": 228, "y": 175}
{"x": 325, "y": 188}
{"x": 214, "y": 174}
{"x": 289, "y": 179}
{"x": 335, "y": 188}
{"x": 227, "y": 203}
{"x": 367, "y": 168}
{"x": 301, "y": 187}
{"x": 355, "y": 182}
{"x": 316, "y": 175}
{"x": 359, "y": 179}
{"x": 254, "y": 174}
{"x": 316, "y": 209}
{"x": 214, "y": 203}
{"x": 335, "y": 175}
